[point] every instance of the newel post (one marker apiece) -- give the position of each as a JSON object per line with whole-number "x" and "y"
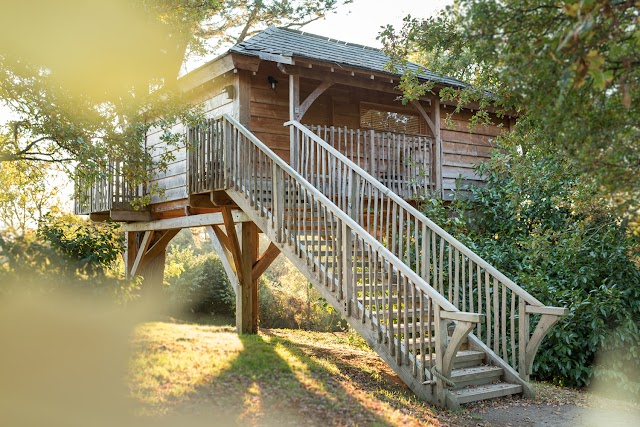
{"x": 523, "y": 340}
{"x": 441, "y": 342}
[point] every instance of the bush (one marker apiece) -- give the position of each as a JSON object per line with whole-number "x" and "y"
{"x": 551, "y": 231}
{"x": 199, "y": 284}
{"x": 66, "y": 254}
{"x": 287, "y": 300}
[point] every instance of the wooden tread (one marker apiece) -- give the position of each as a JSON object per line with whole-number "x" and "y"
{"x": 489, "y": 391}
{"x": 476, "y": 375}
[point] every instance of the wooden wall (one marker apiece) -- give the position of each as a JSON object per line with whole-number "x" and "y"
{"x": 463, "y": 147}
{"x": 174, "y": 180}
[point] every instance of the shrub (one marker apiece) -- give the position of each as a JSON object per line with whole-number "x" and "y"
{"x": 287, "y": 300}
{"x": 552, "y": 232}
{"x": 198, "y": 284}
{"x": 66, "y": 254}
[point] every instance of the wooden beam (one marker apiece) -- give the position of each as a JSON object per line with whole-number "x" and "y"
{"x": 316, "y": 74}
{"x": 294, "y": 110}
{"x": 129, "y": 216}
{"x": 247, "y": 312}
{"x": 437, "y": 155}
{"x": 141, "y": 251}
{"x": 326, "y": 84}
{"x": 244, "y": 62}
{"x": 131, "y": 252}
{"x": 425, "y": 116}
{"x": 200, "y": 201}
{"x": 159, "y": 246}
{"x": 234, "y": 244}
{"x": 206, "y": 73}
{"x": 224, "y": 258}
{"x": 185, "y": 222}
{"x": 265, "y": 260}
{"x": 243, "y": 82}
{"x": 224, "y": 239}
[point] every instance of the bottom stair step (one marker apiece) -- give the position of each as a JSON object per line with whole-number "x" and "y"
{"x": 490, "y": 391}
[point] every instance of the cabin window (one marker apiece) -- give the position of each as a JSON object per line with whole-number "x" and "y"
{"x": 388, "y": 118}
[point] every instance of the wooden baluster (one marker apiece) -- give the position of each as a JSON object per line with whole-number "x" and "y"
{"x": 347, "y": 253}
{"x": 423, "y": 336}
{"x": 479, "y": 282}
{"x": 335, "y": 267}
{"x": 441, "y": 267}
{"x": 503, "y": 323}
{"x": 496, "y": 317}
{"x": 513, "y": 329}
{"x": 471, "y": 304}
{"x": 424, "y": 272}
{"x": 488, "y": 305}
{"x": 414, "y": 331}
{"x": 405, "y": 318}
{"x": 434, "y": 260}
{"x": 523, "y": 339}
{"x": 463, "y": 284}
{"x": 456, "y": 280}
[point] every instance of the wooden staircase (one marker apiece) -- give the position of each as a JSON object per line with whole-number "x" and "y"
{"x": 450, "y": 325}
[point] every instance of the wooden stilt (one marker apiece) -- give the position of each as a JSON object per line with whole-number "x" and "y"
{"x": 247, "y": 309}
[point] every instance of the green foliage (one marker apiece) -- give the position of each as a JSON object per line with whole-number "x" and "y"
{"x": 89, "y": 248}
{"x": 26, "y": 195}
{"x": 66, "y": 254}
{"x": 239, "y": 19}
{"x": 569, "y": 68}
{"x": 287, "y": 300}
{"x": 199, "y": 284}
{"x": 551, "y": 231}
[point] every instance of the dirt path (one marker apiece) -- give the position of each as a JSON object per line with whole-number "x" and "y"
{"x": 568, "y": 415}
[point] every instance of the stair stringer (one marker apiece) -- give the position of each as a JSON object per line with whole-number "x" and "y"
{"x": 423, "y": 391}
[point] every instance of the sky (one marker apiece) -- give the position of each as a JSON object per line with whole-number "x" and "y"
{"x": 360, "y": 21}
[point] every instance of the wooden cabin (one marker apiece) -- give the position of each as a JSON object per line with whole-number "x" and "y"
{"x": 309, "y": 143}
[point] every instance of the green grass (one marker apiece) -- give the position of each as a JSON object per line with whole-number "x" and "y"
{"x": 205, "y": 374}
{"x": 279, "y": 377}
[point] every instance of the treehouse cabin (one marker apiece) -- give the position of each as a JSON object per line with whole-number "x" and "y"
{"x": 308, "y": 142}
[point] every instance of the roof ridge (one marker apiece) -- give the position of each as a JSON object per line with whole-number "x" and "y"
{"x": 325, "y": 38}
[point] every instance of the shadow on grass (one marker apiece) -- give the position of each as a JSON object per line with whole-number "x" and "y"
{"x": 272, "y": 382}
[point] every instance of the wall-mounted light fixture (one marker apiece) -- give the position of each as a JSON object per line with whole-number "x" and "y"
{"x": 272, "y": 82}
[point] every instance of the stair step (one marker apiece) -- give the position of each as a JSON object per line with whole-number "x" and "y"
{"x": 477, "y": 375}
{"x": 468, "y": 358}
{"x": 483, "y": 392}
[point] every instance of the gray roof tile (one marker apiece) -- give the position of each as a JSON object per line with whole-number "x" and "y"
{"x": 297, "y": 44}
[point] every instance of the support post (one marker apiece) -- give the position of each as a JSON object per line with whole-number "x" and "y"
{"x": 294, "y": 110}
{"x": 247, "y": 297}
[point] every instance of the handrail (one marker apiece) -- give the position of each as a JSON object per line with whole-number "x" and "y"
{"x": 373, "y": 242}
{"x": 401, "y": 202}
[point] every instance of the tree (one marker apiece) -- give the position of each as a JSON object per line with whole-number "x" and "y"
{"x": 239, "y": 19}
{"x": 25, "y": 197}
{"x": 89, "y": 93}
{"x": 571, "y": 69}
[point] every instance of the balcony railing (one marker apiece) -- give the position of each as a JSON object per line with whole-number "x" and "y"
{"x": 401, "y": 162}
{"x": 110, "y": 191}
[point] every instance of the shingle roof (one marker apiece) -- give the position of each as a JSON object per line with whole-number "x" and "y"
{"x": 293, "y": 43}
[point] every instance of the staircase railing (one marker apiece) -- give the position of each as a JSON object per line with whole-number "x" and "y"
{"x": 398, "y": 305}
{"x": 468, "y": 282}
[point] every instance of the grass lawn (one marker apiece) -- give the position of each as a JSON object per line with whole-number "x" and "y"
{"x": 209, "y": 375}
